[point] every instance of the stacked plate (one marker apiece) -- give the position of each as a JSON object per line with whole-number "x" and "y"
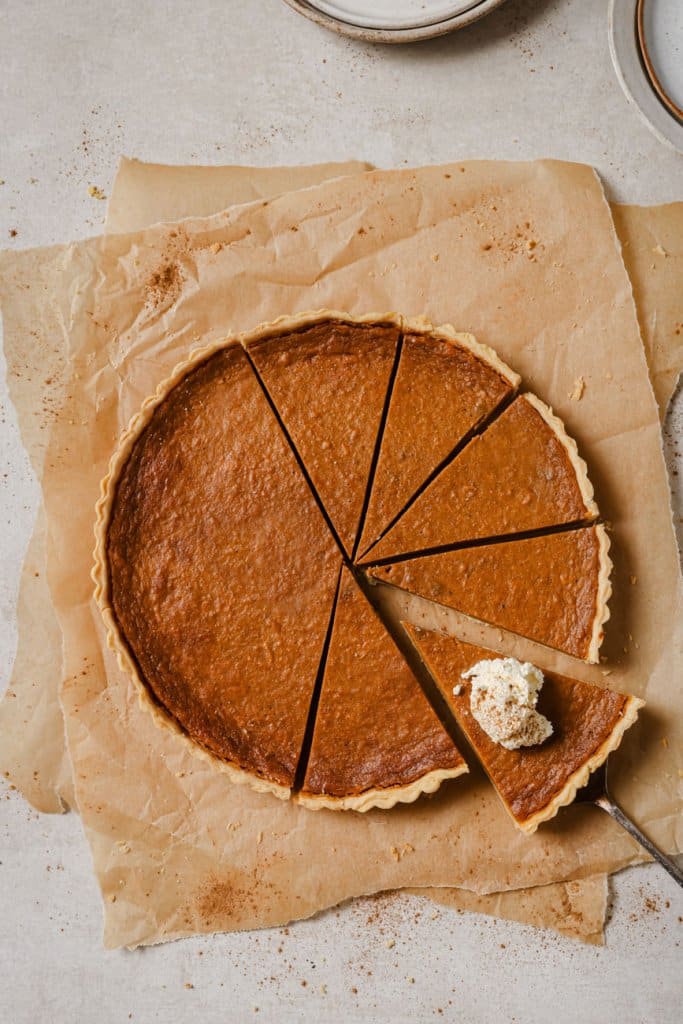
{"x": 394, "y": 21}
{"x": 646, "y": 38}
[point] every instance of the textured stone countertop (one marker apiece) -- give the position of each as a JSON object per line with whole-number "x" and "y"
{"x": 249, "y": 81}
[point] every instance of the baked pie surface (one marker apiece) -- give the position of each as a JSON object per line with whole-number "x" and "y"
{"x": 218, "y": 594}
{"x": 553, "y": 588}
{"x": 523, "y": 473}
{"x": 446, "y": 385}
{"x": 377, "y": 739}
{"x": 533, "y": 782}
{"x": 329, "y": 382}
{"x": 216, "y": 571}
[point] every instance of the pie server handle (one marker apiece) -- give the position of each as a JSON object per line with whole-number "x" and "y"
{"x": 607, "y": 804}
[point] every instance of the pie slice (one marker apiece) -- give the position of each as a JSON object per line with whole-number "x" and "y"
{"x": 523, "y": 473}
{"x": 446, "y": 386}
{"x": 377, "y": 741}
{"x": 533, "y": 782}
{"x": 216, "y": 571}
{"x": 553, "y": 588}
{"x": 328, "y": 379}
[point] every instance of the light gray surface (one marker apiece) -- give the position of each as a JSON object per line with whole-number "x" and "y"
{"x": 249, "y": 81}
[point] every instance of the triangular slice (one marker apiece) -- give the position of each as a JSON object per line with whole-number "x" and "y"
{"x": 533, "y": 782}
{"x": 445, "y": 386}
{"x": 377, "y": 741}
{"x": 523, "y": 473}
{"x": 553, "y": 588}
{"x": 328, "y": 380}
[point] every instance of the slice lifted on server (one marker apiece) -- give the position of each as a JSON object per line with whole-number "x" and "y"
{"x": 446, "y": 385}
{"x": 523, "y": 473}
{"x": 553, "y": 589}
{"x": 377, "y": 741}
{"x": 533, "y": 781}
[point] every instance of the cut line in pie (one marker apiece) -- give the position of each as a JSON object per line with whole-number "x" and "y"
{"x": 221, "y": 618}
{"x": 355, "y": 760}
{"x": 446, "y": 386}
{"x": 522, "y": 474}
{"x": 328, "y": 381}
{"x": 552, "y": 589}
{"x": 238, "y": 493}
{"x": 533, "y": 782}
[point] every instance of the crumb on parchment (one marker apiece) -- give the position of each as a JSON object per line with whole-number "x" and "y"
{"x": 579, "y": 388}
{"x": 96, "y": 192}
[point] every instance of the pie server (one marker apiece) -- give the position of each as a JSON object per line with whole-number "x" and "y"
{"x": 597, "y": 792}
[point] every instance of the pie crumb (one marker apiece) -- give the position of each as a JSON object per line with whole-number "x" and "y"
{"x": 579, "y": 388}
{"x": 390, "y": 943}
{"x": 96, "y": 192}
{"x": 660, "y": 251}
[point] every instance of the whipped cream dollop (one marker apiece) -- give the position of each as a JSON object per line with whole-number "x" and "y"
{"x": 503, "y": 697}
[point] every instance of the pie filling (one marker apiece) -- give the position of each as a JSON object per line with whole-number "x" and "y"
{"x": 551, "y": 588}
{"x": 375, "y": 730}
{"x": 521, "y": 475}
{"x": 259, "y": 470}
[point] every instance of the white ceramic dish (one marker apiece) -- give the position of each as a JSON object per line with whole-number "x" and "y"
{"x": 391, "y": 15}
{"x": 626, "y": 57}
{"x": 416, "y": 16}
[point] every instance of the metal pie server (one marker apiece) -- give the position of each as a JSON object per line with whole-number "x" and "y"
{"x": 597, "y": 792}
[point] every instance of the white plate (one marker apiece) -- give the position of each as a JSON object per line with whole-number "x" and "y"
{"x": 661, "y": 40}
{"x": 392, "y": 15}
{"x": 633, "y": 77}
{"x": 397, "y": 10}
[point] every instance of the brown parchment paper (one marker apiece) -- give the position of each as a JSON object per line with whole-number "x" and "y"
{"x": 575, "y": 909}
{"x": 147, "y": 194}
{"x": 31, "y": 721}
{"x": 531, "y": 186}
{"x": 33, "y": 727}
{"x": 652, "y": 247}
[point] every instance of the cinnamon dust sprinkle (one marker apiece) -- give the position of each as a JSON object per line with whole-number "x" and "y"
{"x": 164, "y": 285}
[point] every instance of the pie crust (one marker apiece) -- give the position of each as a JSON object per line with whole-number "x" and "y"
{"x": 375, "y": 795}
{"x": 382, "y": 798}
